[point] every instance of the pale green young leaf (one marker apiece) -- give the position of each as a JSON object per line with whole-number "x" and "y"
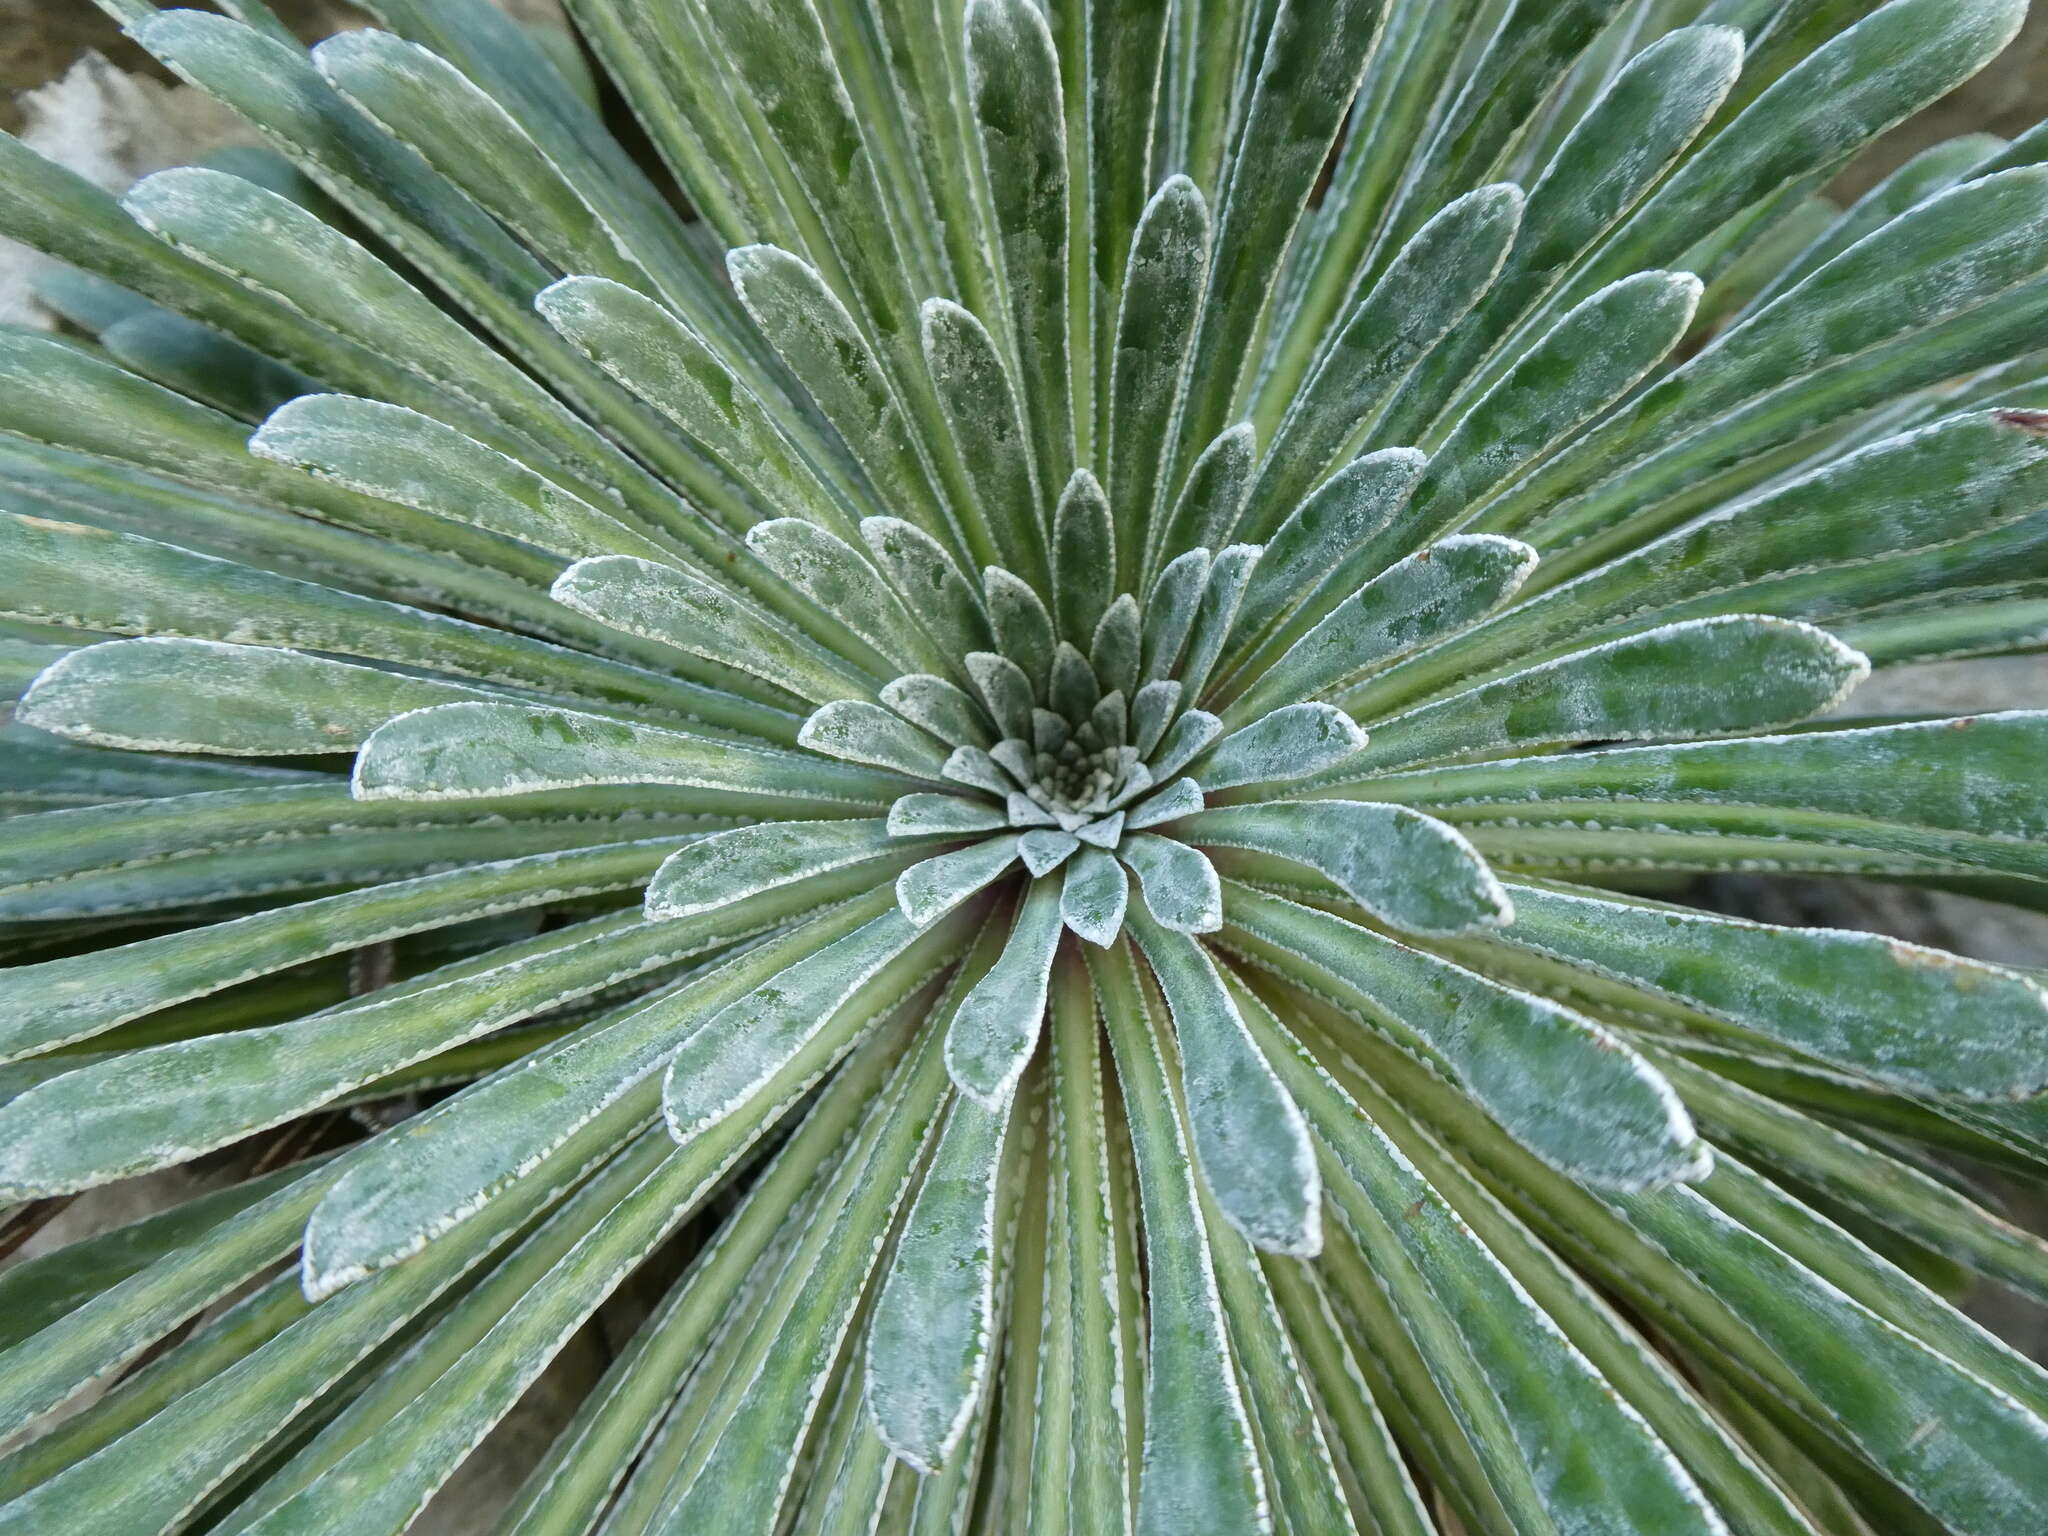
{"x": 978, "y": 399}
{"x": 1291, "y": 742}
{"x": 930, "y": 581}
{"x": 1169, "y": 610}
{"x": 1181, "y": 889}
{"x": 841, "y": 581}
{"x": 660, "y": 601}
{"x": 1249, "y": 1139}
{"x": 1230, "y": 572}
{"x": 939, "y": 707}
{"x": 995, "y": 1029}
{"x": 1093, "y": 896}
{"x": 726, "y": 867}
{"x": 1210, "y": 504}
{"x": 1406, "y": 869}
{"x": 942, "y": 815}
{"x": 1085, "y": 557}
{"x": 935, "y": 887}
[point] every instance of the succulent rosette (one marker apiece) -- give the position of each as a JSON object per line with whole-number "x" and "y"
{"x": 1020, "y": 701}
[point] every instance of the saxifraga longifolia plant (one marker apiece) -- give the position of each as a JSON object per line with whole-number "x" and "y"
{"x": 1037, "y": 730}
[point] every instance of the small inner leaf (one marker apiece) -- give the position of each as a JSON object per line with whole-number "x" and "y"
{"x": 996, "y": 1028}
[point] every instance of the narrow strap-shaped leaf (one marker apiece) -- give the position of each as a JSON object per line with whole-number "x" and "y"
{"x": 57, "y": 1002}
{"x": 1591, "y": 358}
{"x": 1964, "y": 1450}
{"x": 1249, "y": 1138}
{"x": 930, "y": 581}
{"x": 931, "y": 1345}
{"x": 94, "y": 578}
{"x": 662, "y": 602}
{"x": 463, "y": 751}
{"x": 1181, "y": 889}
{"x": 1651, "y": 112}
{"x": 1101, "y": 1452}
{"x": 166, "y": 1104}
{"x": 856, "y": 731}
{"x": 979, "y": 401}
{"x": 169, "y": 695}
{"x": 731, "y": 866}
{"x": 1291, "y": 742}
{"x": 1199, "y": 1473}
{"x": 1230, "y": 572}
{"x": 1085, "y": 558}
{"x": 746, "y": 1475}
{"x": 398, "y": 455}
{"x": 1013, "y": 85}
{"x": 995, "y": 1030}
{"x": 1155, "y": 327}
{"x": 1313, "y": 559}
{"x": 1912, "y": 1017}
{"x": 1293, "y": 110}
{"x": 1565, "y": 1088}
{"x": 804, "y": 1011}
{"x": 1901, "y": 798}
{"x": 1687, "y": 679}
{"x": 652, "y": 352}
{"x": 1406, "y": 869}
{"x": 928, "y": 890}
{"x": 1210, "y": 505}
{"x": 810, "y": 329}
{"x": 939, "y": 707}
{"x": 1433, "y": 593}
{"x": 1437, "y": 278}
{"x": 1559, "y": 1446}
{"x": 459, "y": 1155}
{"x": 1093, "y": 896}
{"x": 841, "y": 581}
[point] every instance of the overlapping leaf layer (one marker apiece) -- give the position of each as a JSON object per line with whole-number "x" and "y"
{"x": 1041, "y": 670}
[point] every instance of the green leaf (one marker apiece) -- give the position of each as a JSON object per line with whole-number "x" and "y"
{"x": 168, "y": 695}
{"x": 822, "y": 344}
{"x": 1199, "y": 1474}
{"x": 1013, "y": 88}
{"x": 1229, "y": 573}
{"x": 1093, "y": 896}
{"x": 1155, "y": 327}
{"x": 57, "y": 1002}
{"x": 1291, "y": 742}
{"x": 1249, "y": 1138}
{"x": 1556, "y": 1442}
{"x": 661, "y": 602}
{"x": 930, "y": 1346}
{"x": 841, "y": 581}
{"x": 937, "y": 706}
{"x": 807, "y": 1016}
{"x": 1693, "y": 678}
{"x": 1900, "y": 799}
{"x": 1084, "y": 558}
{"x": 726, "y": 867}
{"x": 1023, "y": 626}
{"x": 1432, "y": 594}
{"x": 978, "y": 400}
{"x": 942, "y": 815}
{"x": 1914, "y": 1018}
{"x": 995, "y": 1029}
{"x": 1210, "y": 504}
{"x": 398, "y": 455}
{"x": 1561, "y": 1085}
{"x": 458, "y": 1156}
{"x": 1964, "y": 1451}
{"x": 1181, "y": 889}
{"x": 930, "y": 581}
{"x": 463, "y": 751}
{"x": 1312, "y": 560}
{"x": 1404, "y": 868}
{"x": 927, "y": 891}
{"x": 856, "y": 731}
{"x": 1417, "y": 302}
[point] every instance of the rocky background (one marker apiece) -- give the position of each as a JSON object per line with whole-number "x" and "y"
{"x": 73, "y": 87}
